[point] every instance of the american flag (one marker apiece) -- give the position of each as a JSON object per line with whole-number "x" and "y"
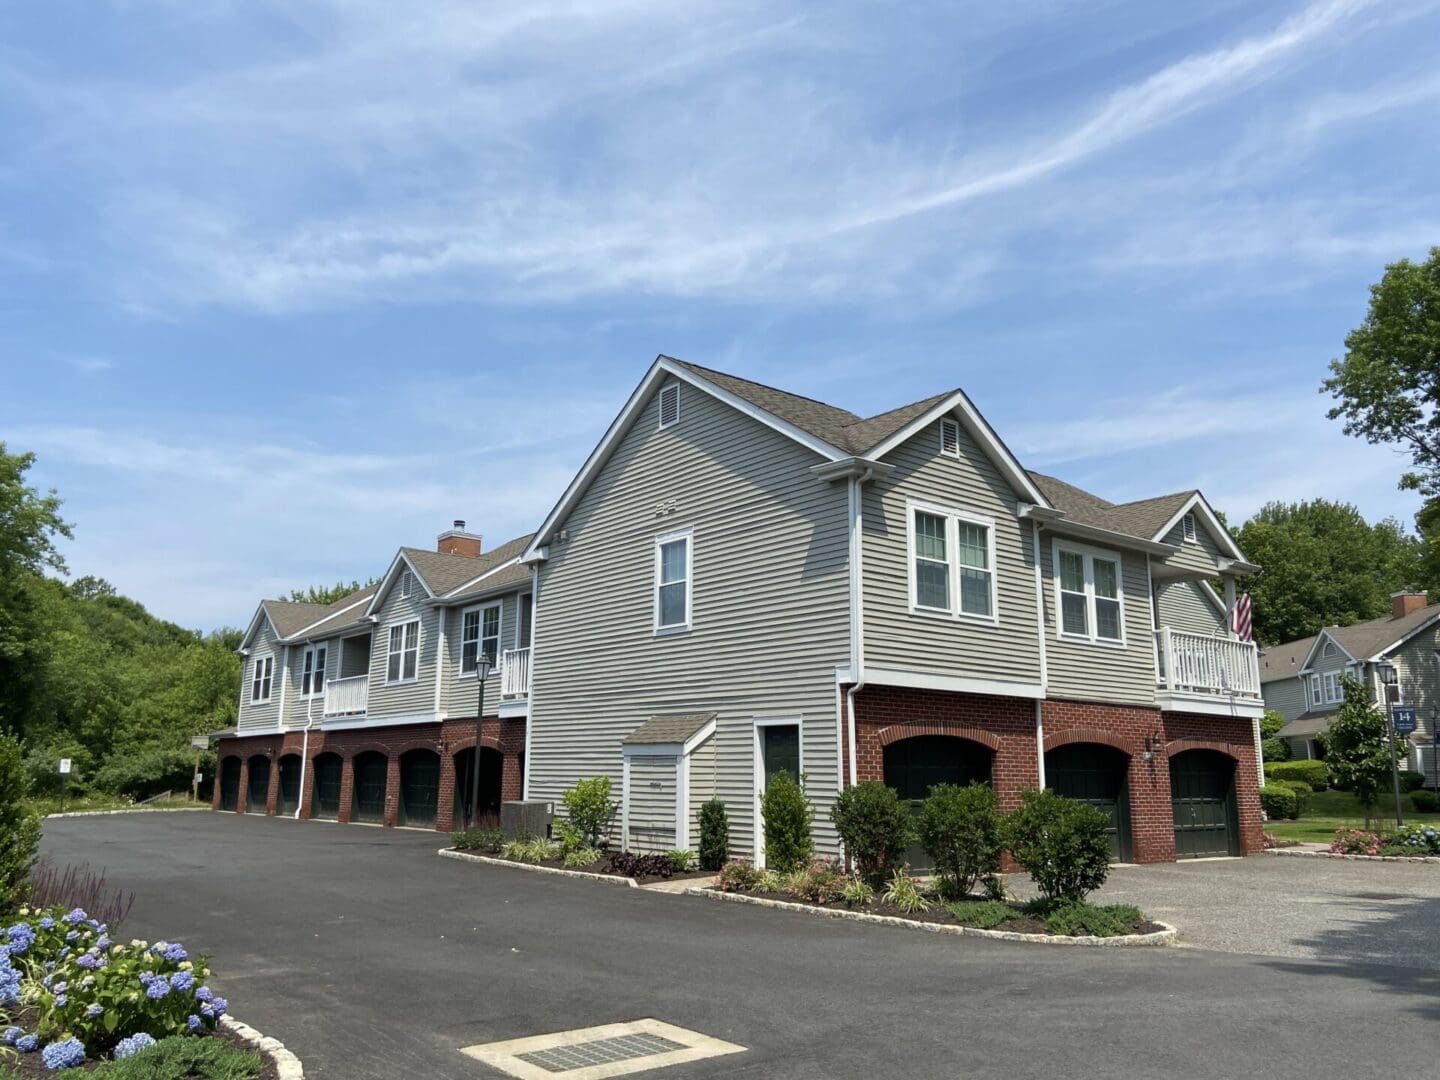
{"x": 1241, "y": 620}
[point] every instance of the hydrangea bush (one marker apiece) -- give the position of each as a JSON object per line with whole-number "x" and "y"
{"x": 93, "y": 995}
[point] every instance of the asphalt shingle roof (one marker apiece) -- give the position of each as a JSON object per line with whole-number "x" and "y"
{"x": 1143, "y": 517}
{"x": 288, "y": 617}
{"x": 1285, "y": 661}
{"x": 675, "y": 728}
{"x": 341, "y": 618}
{"x": 1312, "y": 723}
{"x": 1361, "y": 640}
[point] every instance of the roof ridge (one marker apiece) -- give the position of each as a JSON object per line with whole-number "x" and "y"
{"x": 908, "y": 405}
{"x": 766, "y": 386}
{"x": 1158, "y": 498}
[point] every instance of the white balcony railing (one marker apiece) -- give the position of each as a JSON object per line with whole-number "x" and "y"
{"x": 347, "y": 697}
{"x": 1199, "y": 663}
{"x": 515, "y": 673}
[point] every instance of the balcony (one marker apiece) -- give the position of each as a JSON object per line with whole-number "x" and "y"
{"x": 347, "y": 697}
{"x": 515, "y": 674}
{"x": 1203, "y": 673}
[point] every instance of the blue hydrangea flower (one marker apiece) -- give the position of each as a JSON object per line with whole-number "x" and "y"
{"x": 69, "y": 1054}
{"x": 182, "y": 981}
{"x": 89, "y": 961}
{"x": 204, "y": 994}
{"x": 76, "y": 917}
{"x": 133, "y": 1045}
{"x": 103, "y": 943}
{"x": 94, "y": 1012}
{"x": 208, "y": 1011}
{"x": 146, "y": 978}
{"x": 47, "y": 923}
{"x": 72, "y": 937}
{"x": 194, "y": 1023}
{"x": 175, "y": 954}
{"x": 20, "y": 937}
{"x": 61, "y": 1001}
{"x": 157, "y": 989}
{"x": 27, "y": 1044}
{"x": 9, "y": 1035}
{"x": 221, "y": 1007}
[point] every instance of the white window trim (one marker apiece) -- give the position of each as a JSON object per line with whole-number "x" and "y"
{"x": 419, "y": 644}
{"x": 950, "y": 423}
{"x": 498, "y": 607}
{"x": 951, "y": 515}
{"x": 268, "y": 658}
{"x": 757, "y": 769}
{"x": 312, "y": 650}
{"x": 1327, "y": 678}
{"x": 1313, "y": 687}
{"x": 1090, "y": 554}
{"x": 668, "y": 388}
{"x": 688, "y": 535}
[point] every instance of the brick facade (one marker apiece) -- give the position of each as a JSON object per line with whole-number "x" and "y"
{"x": 447, "y": 738}
{"x": 1006, "y": 726}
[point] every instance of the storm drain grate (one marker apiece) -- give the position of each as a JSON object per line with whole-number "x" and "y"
{"x": 600, "y": 1052}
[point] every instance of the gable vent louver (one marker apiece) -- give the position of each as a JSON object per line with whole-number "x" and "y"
{"x": 670, "y": 405}
{"x": 950, "y": 438}
{"x": 1187, "y": 529}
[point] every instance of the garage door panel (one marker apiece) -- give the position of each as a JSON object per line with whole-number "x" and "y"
{"x": 1099, "y": 776}
{"x": 1202, "y": 786}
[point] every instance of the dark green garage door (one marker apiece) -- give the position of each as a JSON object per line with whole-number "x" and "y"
{"x": 326, "y": 799}
{"x": 230, "y": 784}
{"x": 1202, "y": 789}
{"x": 288, "y": 800}
{"x": 419, "y": 788}
{"x": 1096, "y": 775}
{"x": 914, "y": 766}
{"x": 368, "y": 804}
{"x": 257, "y": 791}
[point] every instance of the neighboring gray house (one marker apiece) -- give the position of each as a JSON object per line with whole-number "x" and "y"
{"x": 1301, "y": 679}
{"x": 742, "y": 580}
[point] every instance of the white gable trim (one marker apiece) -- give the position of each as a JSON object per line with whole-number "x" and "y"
{"x": 1323, "y": 636}
{"x": 1221, "y": 535}
{"x": 663, "y": 368}
{"x": 979, "y": 429}
{"x": 476, "y": 581}
{"x": 402, "y": 562}
{"x": 253, "y": 628}
{"x": 299, "y": 634}
{"x": 1428, "y": 624}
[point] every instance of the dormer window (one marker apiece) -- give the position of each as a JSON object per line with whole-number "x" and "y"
{"x": 1187, "y": 529}
{"x": 950, "y": 438}
{"x": 670, "y": 405}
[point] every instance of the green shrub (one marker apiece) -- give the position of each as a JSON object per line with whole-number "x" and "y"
{"x": 489, "y": 841}
{"x": 1424, "y": 802}
{"x": 982, "y": 914}
{"x": 960, "y": 829}
{"x": 857, "y": 893}
{"x": 903, "y": 893}
{"x": 770, "y": 881}
{"x": 875, "y": 827}
{"x": 785, "y": 810}
{"x": 737, "y": 875}
{"x": 1064, "y": 845}
{"x": 1304, "y": 795}
{"x": 821, "y": 882}
{"x": 533, "y": 852}
{"x": 683, "y": 861}
{"x": 1276, "y": 750}
{"x": 1073, "y": 918}
{"x": 714, "y": 835}
{"x": 42, "y": 768}
{"x": 590, "y": 809}
{"x": 567, "y": 836}
{"x": 1278, "y": 801}
{"x": 180, "y": 1058}
{"x": 141, "y": 774}
{"x": 1314, "y": 773}
{"x": 580, "y": 857}
{"x": 19, "y": 827}
{"x": 1411, "y": 781}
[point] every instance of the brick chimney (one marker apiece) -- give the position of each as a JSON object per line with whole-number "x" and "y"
{"x": 457, "y": 541}
{"x": 1407, "y": 603}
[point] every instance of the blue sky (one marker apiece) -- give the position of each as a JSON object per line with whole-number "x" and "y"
{"x": 286, "y": 285}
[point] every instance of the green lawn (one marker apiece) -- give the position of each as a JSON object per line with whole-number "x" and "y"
{"x": 1331, "y": 810}
{"x": 97, "y": 801}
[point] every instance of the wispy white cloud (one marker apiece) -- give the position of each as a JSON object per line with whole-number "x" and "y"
{"x": 90, "y": 365}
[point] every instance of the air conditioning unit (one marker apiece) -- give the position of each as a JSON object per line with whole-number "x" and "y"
{"x": 526, "y": 819}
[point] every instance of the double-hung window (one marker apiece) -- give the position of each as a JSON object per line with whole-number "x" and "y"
{"x": 260, "y": 679}
{"x": 479, "y": 633}
{"x": 1089, "y": 594}
{"x": 1333, "y": 691}
{"x": 403, "y": 659}
{"x": 952, "y": 562}
{"x": 312, "y": 673}
{"x": 673, "y": 569}
{"x": 1316, "y": 700}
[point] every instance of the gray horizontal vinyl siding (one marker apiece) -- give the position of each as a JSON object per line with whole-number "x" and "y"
{"x": 1321, "y": 663}
{"x": 299, "y": 710}
{"x": 1184, "y": 606}
{"x": 653, "y": 791}
{"x": 459, "y": 694}
{"x": 1418, "y": 670}
{"x": 896, "y": 637}
{"x": 1083, "y": 671}
{"x": 406, "y": 698}
{"x": 770, "y": 610}
{"x": 267, "y": 716}
{"x": 1285, "y": 696}
{"x": 704, "y": 769}
{"x": 1201, "y": 555}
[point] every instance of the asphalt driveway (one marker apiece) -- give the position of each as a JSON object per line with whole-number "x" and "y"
{"x": 374, "y": 959}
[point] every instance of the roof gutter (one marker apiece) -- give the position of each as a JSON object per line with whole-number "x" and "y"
{"x": 852, "y": 468}
{"x": 1237, "y": 566}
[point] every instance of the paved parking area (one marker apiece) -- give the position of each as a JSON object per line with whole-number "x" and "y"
{"x": 373, "y": 959}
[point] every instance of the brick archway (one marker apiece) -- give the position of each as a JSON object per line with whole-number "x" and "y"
{"x": 1179, "y": 746}
{"x": 911, "y": 729}
{"x": 1090, "y": 735}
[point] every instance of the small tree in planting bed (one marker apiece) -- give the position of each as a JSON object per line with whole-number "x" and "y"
{"x": 1358, "y": 747}
{"x": 960, "y": 829}
{"x": 714, "y": 835}
{"x": 875, "y": 827}
{"x": 1063, "y": 845}
{"x": 19, "y": 826}
{"x": 590, "y": 809}
{"x": 786, "y": 813}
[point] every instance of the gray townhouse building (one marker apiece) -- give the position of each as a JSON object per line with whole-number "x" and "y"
{"x": 741, "y": 580}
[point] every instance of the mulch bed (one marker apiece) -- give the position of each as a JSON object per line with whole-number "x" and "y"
{"x": 601, "y": 867}
{"x": 1023, "y": 923}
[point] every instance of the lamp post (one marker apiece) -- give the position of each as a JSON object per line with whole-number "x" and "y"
{"x": 483, "y": 665}
{"x": 1390, "y": 680}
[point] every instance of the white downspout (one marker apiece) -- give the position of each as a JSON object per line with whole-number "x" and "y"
{"x": 1044, "y": 660}
{"x": 857, "y": 609}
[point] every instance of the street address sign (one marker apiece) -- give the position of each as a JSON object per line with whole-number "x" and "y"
{"x": 200, "y": 742}
{"x": 64, "y": 766}
{"x": 1404, "y": 720}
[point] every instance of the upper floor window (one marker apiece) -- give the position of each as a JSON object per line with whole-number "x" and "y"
{"x": 312, "y": 673}
{"x": 672, "y": 581}
{"x": 260, "y": 679}
{"x": 403, "y": 659}
{"x": 479, "y": 633}
{"x": 950, "y": 438}
{"x": 1334, "y": 691}
{"x": 952, "y": 562}
{"x": 1090, "y": 595}
{"x": 1329, "y": 649}
{"x": 407, "y": 584}
{"x": 1187, "y": 529}
{"x": 670, "y": 405}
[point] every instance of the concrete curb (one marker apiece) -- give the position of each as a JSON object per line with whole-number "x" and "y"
{"x": 1294, "y": 853}
{"x": 286, "y": 1063}
{"x": 136, "y": 810}
{"x": 1166, "y": 936}
{"x": 609, "y": 879}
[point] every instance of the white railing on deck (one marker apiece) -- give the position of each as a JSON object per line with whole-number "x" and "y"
{"x": 347, "y": 697}
{"x": 1203, "y": 664}
{"x": 515, "y": 673}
